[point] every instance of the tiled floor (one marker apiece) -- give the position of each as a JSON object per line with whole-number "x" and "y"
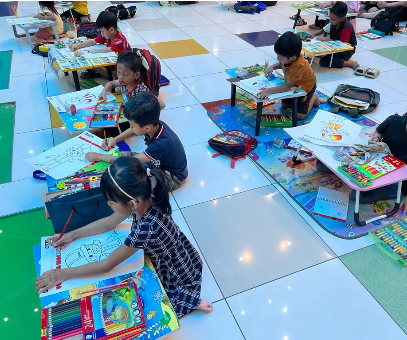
{"x": 272, "y": 272}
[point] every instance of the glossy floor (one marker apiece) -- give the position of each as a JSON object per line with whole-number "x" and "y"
{"x": 272, "y": 272}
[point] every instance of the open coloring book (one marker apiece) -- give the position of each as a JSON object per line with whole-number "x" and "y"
{"x": 87, "y": 250}
{"x": 68, "y": 157}
{"x": 331, "y": 129}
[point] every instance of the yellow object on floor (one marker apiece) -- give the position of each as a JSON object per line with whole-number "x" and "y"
{"x": 178, "y": 48}
{"x": 55, "y": 119}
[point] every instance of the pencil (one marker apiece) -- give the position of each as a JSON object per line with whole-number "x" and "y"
{"x": 66, "y": 224}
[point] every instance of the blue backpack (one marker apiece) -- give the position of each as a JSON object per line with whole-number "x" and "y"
{"x": 249, "y": 7}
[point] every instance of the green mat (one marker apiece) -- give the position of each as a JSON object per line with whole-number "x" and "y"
{"x": 397, "y": 54}
{"x": 20, "y": 304}
{"x": 383, "y": 278}
{"x": 6, "y": 141}
{"x": 5, "y": 67}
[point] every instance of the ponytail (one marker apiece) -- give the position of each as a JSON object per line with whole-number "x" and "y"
{"x": 135, "y": 61}
{"x": 127, "y": 179}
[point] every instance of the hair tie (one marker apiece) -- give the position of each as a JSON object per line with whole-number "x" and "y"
{"x": 138, "y": 53}
{"x": 117, "y": 185}
{"x": 149, "y": 172}
{"x": 153, "y": 181}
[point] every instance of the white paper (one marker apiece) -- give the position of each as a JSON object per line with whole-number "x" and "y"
{"x": 87, "y": 250}
{"x": 81, "y": 99}
{"x": 99, "y": 55}
{"x": 331, "y": 129}
{"x": 66, "y": 158}
{"x": 22, "y": 21}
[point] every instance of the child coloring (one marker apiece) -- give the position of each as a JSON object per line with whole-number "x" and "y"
{"x": 130, "y": 188}
{"x": 49, "y": 12}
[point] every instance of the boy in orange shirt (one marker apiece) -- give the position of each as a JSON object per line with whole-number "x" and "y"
{"x": 297, "y": 72}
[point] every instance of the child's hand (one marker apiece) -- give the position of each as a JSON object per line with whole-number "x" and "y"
{"x": 102, "y": 96}
{"x": 58, "y": 243}
{"x": 375, "y": 139}
{"x": 74, "y": 47}
{"x": 78, "y": 53}
{"x": 403, "y": 205}
{"x": 269, "y": 71}
{"x": 264, "y": 93}
{"x": 109, "y": 144}
{"x": 94, "y": 157}
{"x": 49, "y": 280}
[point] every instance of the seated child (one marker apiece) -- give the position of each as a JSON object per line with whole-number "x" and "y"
{"x": 353, "y": 7}
{"x": 130, "y": 188}
{"x": 297, "y": 72}
{"x": 48, "y": 12}
{"x": 114, "y": 40}
{"x": 393, "y": 132}
{"x": 340, "y": 29}
{"x": 164, "y": 149}
{"x": 79, "y": 12}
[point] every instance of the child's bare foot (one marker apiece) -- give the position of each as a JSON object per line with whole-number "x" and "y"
{"x": 205, "y": 306}
{"x": 352, "y": 64}
{"x": 317, "y": 101}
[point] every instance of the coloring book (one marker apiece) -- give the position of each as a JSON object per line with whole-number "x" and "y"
{"x": 332, "y": 204}
{"x": 87, "y": 250}
{"x": 66, "y": 158}
{"x": 331, "y": 129}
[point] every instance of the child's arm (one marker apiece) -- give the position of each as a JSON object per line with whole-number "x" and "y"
{"x": 403, "y": 205}
{"x": 282, "y": 88}
{"x": 108, "y": 88}
{"x": 46, "y": 16}
{"x": 101, "y": 50}
{"x": 271, "y": 68}
{"x": 141, "y": 156}
{"x": 87, "y": 43}
{"x": 377, "y": 137}
{"x": 162, "y": 104}
{"x": 317, "y": 33}
{"x": 53, "y": 277}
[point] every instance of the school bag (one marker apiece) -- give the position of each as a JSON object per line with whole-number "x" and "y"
{"x": 234, "y": 144}
{"x": 153, "y": 67}
{"x": 88, "y": 30}
{"x": 387, "y": 21}
{"x": 249, "y": 7}
{"x": 122, "y": 12}
{"x": 355, "y": 93}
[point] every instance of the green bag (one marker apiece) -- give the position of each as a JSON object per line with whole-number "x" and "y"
{"x": 356, "y": 93}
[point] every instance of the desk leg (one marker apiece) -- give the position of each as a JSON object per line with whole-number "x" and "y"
{"x": 294, "y": 111}
{"x": 297, "y": 16}
{"x": 330, "y": 64}
{"x": 391, "y": 213}
{"x": 233, "y": 95}
{"x": 258, "y": 118}
{"x": 76, "y": 80}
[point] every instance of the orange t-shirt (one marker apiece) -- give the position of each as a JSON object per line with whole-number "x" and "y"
{"x": 301, "y": 73}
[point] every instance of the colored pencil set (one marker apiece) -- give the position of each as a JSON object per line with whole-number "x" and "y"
{"x": 106, "y": 115}
{"x": 275, "y": 120}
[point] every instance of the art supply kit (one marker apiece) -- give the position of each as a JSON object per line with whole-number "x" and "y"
{"x": 276, "y": 120}
{"x": 113, "y": 312}
{"x": 392, "y": 240}
{"x": 364, "y": 175}
{"x": 253, "y": 104}
{"x": 106, "y": 115}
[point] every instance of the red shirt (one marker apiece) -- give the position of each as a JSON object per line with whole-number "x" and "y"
{"x": 118, "y": 45}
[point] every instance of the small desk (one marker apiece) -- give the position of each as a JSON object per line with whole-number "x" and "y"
{"x": 321, "y": 53}
{"x": 325, "y": 155}
{"x": 234, "y": 82}
{"x": 34, "y": 25}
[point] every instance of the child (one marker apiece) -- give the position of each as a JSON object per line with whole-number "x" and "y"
{"x": 79, "y": 11}
{"x": 297, "y": 72}
{"x": 49, "y": 12}
{"x": 130, "y": 188}
{"x": 164, "y": 149}
{"x": 340, "y": 29}
{"x": 115, "y": 41}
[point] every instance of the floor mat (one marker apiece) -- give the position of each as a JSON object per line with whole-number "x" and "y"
{"x": 300, "y": 181}
{"x": 383, "y": 278}
{"x": 397, "y": 54}
{"x": 7, "y": 112}
{"x": 260, "y": 39}
{"x": 19, "y": 233}
{"x": 5, "y": 67}
{"x": 178, "y": 48}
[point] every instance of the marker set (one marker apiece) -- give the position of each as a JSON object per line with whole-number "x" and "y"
{"x": 106, "y": 115}
{"x": 276, "y": 120}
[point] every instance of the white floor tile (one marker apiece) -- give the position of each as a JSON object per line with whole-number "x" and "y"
{"x": 210, "y": 178}
{"x": 332, "y": 296}
{"x": 205, "y": 31}
{"x": 133, "y": 38}
{"x": 59, "y": 84}
{"x": 191, "y": 124}
{"x": 32, "y": 115}
{"x": 188, "y": 21}
{"x": 169, "y": 34}
{"x": 24, "y": 87}
{"x": 20, "y": 66}
{"x": 276, "y": 23}
{"x": 27, "y": 145}
{"x": 212, "y": 9}
{"x": 176, "y": 95}
{"x": 223, "y": 18}
{"x": 375, "y": 44}
{"x": 223, "y": 43}
{"x": 60, "y": 135}
{"x": 32, "y": 198}
{"x": 173, "y": 12}
{"x": 244, "y": 27}
{"x": 246, "y": 57}
{"x": 195, "y": 65}
{"x": 370, "y": 59}
{"x": 218, "y": 325}
{"x": 384, "y": 111}
{"x": 394, "y": 79}
{"x": 397, "y": 38}
{"x": 147, "y": 14}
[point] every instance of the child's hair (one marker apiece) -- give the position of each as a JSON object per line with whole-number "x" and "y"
{"x": 143, "y": 109}
{"x": 288, "y": 45}
{"x": 132, "y": 61}
{"x": 49, "y": 5}
{"x": 106, "y": 20}
{"x": 128, "y": 179}
{"x": 340, "y": 9}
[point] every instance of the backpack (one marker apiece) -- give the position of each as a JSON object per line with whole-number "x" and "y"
{"x": 387, "y": 21}
{"x": 122, "y": 12}
{"x": 153, "y": 67}
{"x": 249, "y": 7}
{"x": 88, "y": 30}
{"x": 355, "y": 93}
{"x": 235, "y": 144}
{"x": 36, "y": 50}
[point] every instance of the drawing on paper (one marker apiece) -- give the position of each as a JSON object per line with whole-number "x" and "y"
{"x": 75, "y": 153}
{"x": 334, "y": 129}
{"x": 94, "y": 251}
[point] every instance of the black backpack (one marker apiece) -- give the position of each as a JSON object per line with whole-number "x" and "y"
{"x": 122, "y": 12}
{"x": 242, "y": 8}
{"x": 88, "y": 30}
{"x": 357, "y": 93}
{"x": 387, "y": 21}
